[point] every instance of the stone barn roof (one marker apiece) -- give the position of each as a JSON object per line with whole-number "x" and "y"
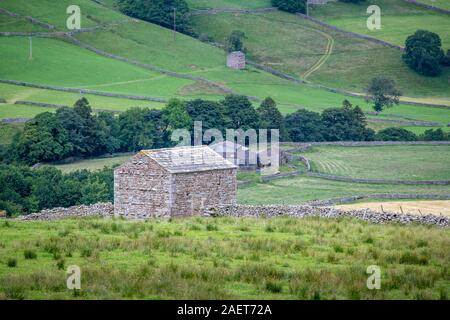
{"x": 189, "y": 159}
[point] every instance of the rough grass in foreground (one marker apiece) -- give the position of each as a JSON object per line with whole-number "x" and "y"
{"x": 205, "y": 258}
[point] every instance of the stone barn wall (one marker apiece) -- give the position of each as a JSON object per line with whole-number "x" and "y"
{"x": 192, "y": 192}
{"x": 236, "y": 60}
{"x": 142, "y": 189}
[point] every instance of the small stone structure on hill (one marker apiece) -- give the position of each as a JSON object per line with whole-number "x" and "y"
{"x": 173, "y": 182}
{"x": 236, "y": 60}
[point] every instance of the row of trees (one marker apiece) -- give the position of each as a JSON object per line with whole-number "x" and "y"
{"x": 24, "y": 190}
{"x": 161, "y": 12}
{"x": 292, "y": 6}
{"x": 77, "y": 132}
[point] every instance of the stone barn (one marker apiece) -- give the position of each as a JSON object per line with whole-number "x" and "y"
{"x": 173, "y": 182}
{"x": 236, "y": 60}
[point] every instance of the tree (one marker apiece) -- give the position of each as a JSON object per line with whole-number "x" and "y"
{"x": 211, "y": 114}
{"x": 445, "y": 61}
{"x": 304, "y": 125}
{"x": 353, "y": 1}
{"x": 423, "y": 53}
{"x": 395, "y": 134}
{"x": 292, "y": 6}
{"x": 234, "y": 41}
{"x": 346, "y": 124}
{"x": 241, "y": 113}
{"x": 434, "y": 135}
{"x": 270, "y": 117}
{"x": 135, "y": 131}
{"x": 107, "y": 133}
{"x": 159, "y": 12}
{"x": 176, "y": 116}
{"x": 43, "y": 139}
{"x": 382, "y": 93}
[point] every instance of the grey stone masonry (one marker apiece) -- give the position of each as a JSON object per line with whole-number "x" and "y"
{"x": 173, "y": 182}
{"x": 236, "y": 60}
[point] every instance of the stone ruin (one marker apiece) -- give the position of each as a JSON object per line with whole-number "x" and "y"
{"x": 236, "y": 60}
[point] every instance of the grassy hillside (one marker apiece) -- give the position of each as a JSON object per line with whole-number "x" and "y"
{"x": 386, "y": 162}
{"x": 150, "y": 44}
{"x": 278, "y": 40}
{"x": 276, "y": 258}
{"x": 54, "y": 12}
{"x": 13, "y": 93}
{"x": 237, "y": 4}
{"x": 302, "y": 189}
{"x": 399, "y": 19}
{"x": 438, "y": 4}
{"x": 58, "y": 63}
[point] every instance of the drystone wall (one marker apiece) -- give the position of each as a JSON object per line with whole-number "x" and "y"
{"x": 387, "y": 196}
{"x": 302, "y": 211}
{"x": 429, "y": 7}
{"x": 100, "y": 209}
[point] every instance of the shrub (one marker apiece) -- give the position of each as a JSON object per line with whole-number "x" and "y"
{"x": 11, "y": 263}
{"x": 395, "y": 134}
{"x": 29, "y": 254}
{"x": 211, "y": 227}
{"x": 274, "y": 287}
{"x": 292, "y": 6}
{"x": 423, "y": 53}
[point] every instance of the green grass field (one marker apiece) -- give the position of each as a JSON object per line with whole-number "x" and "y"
{"x": 399, "y": 19}
{"x": 385, "y": 162}
{"x": 188, "y": 55}
{"x": 92, "y": 164}
{"x": 439, "y": 4}
{"x": 236, "y": 4}
{"x": 55, "y": 12}
{"x": 302, "y": 189}
{"x": 222, "y": 258}
{"x": 278, "y": 40}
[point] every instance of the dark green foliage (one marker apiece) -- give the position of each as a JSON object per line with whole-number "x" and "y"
{"x": 445, "y": 61}
{"x": 292, "y": 6}
{"x": 29, "y": 254}
{"x": 395, "y": 134}
{"x": 24, "y": 191}
{"x": 304, "y": 125}
{"x": 160, "y": 12}
{"x": 336, "y": 124}
{"x": 382, "y": 93}
{"x": 435, "y": 135}
{"x": 353, "y": 1}
{"x": 240, "y": 112}
{"x": 234, "y": 41}
{"x": 11, "y": 262}
{"x": 141, "y": 129}
{"x": 346, "y": 124}
{"x": 423, "y": 53}
{"x": 210, "y": 113}
{"x": 43, "y": 139}
{"x": 270, "y": 117}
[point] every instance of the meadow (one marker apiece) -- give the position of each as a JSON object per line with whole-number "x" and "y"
{"x": 222, "y": 258}
{"x": 399, "y": 19}
{"x": 300, "y": 189}
{"x": 382, "y": 162}
{"x": 277, "y": 39}
{"x": 438, "y": 4}
{"x": 235, "y": 4}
